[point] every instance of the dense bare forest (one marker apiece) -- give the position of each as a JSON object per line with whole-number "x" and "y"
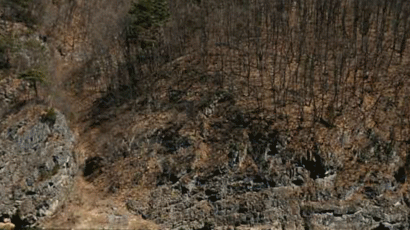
{"x": 223, "y": 102}
{"x": 311, "y": 60}
{"x": 325, "y": 55}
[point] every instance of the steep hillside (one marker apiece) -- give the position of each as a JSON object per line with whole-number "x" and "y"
{"x": 216, "y": 115}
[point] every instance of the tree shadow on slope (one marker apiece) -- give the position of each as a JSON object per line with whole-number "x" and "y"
{"x": 103, "y": 109}
{"x": 106, "y": 107}
{"x": 93, "y": 167}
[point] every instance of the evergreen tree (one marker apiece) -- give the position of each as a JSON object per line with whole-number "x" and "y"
{"x": 34, "y": 76}
{"x": 146, "y": 14}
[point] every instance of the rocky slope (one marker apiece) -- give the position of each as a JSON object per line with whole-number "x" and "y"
{"x": 239, "y": 170}
{"x": 303, "y": 195}
{"x": 222, "y": 150}
{"x": 37, "y": 164}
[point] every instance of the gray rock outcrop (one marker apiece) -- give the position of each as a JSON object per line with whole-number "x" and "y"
{"x": 37, "y": 166}
{"x": 261, "y": 181}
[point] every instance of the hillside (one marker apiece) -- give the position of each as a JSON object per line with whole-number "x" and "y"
{"x": 250, "y": 114}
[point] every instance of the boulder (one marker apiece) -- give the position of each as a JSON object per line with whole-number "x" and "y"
{"x": 37, "y": 167}
{"x": 7, "y": 226}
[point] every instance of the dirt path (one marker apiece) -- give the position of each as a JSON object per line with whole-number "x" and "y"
{"x": 87, "y": 208}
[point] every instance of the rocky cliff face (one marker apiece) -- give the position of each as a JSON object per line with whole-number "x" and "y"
{"x": 37, "y": 165}
{"x": 8, "y": 94}
{"x": 302, "y": 196}
{"x": 250, "y": 200}
{"x": 257, "y": 178}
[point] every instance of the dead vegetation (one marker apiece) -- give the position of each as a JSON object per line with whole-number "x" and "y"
{"x": 328, "y": 75}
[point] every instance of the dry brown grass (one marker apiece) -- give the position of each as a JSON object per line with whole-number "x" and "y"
{"x": 203, "y": 153}
{"x": 30, "y": 114}
{"x": 80, "y": 212}
{"x": 87, "y": 208}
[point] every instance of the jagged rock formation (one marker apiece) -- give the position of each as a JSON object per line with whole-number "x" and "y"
{"x": 37, "y": 165}
{"x": 260, "y": 180}
{"x": 227, "y": 197}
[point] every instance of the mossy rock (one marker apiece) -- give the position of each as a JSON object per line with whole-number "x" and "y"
{"x": 50, "y": 117}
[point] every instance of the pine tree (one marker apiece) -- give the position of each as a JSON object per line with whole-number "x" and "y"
{"x": 146, "y": 14}
{"x": 34, "y": 76}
